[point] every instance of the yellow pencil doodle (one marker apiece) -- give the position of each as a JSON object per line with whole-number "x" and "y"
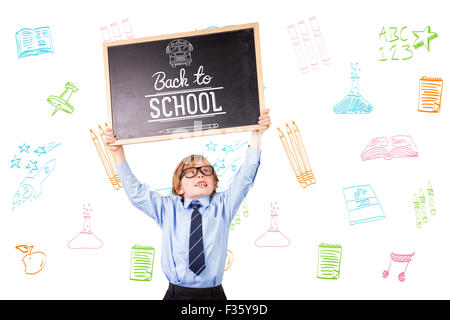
{"x": 107, "y": 159}
{"x": 296, "y": 153}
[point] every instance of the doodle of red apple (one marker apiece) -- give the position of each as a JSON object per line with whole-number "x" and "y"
{"x": 34, "y": 261}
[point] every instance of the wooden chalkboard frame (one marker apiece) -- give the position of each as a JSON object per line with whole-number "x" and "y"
{"x": 254, "y": 26}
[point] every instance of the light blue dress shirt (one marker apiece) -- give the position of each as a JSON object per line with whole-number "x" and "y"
{"x": 173, "y": 215}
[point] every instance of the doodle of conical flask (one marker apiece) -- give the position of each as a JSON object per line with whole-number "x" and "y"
{"x": 86, "y": 239}
{"x": 273, "y": 237}
{"x": 353, "y": 103}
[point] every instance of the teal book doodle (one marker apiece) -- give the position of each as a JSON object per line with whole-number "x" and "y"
{"x": 33, "y": 42}
{"x": 362, "y": 204}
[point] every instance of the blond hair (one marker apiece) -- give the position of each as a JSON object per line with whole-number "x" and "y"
{"x": 187, "y": 162}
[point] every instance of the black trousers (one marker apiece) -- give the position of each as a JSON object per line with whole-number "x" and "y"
{"x": 175, "y": 292}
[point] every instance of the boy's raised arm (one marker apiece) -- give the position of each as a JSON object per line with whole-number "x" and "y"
{"x": 139, "y": 194}
{"x": 246, "y": 174}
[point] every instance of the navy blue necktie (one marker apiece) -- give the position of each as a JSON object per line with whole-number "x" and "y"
{"x": 196, "y": 254}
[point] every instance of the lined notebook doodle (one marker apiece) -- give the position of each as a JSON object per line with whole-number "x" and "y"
{"x": 142, "y": 258}
{"x": 329, "y": 264}
{"x": 430, "y": 93}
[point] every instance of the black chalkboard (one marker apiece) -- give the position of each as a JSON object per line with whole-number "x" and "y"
{"x": 184, "y": 85}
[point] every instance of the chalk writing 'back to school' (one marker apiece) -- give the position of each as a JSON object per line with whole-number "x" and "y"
{"x": 196, "y": 102}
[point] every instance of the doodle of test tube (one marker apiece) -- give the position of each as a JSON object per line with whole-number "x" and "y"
{"x": 319, "y": 40}
{"x": 308, "y": 44}
{"x": 298, "y": 49}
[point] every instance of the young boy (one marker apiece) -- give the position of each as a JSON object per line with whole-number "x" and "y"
{"x": 195, "y": 221}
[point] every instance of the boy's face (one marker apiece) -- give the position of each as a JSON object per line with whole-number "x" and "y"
{"x": 199, "y": 185}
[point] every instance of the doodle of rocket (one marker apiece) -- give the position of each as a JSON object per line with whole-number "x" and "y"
{"x": 31, "y": 187}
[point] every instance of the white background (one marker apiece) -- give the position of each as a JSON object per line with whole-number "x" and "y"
{"x": 307, "y": 217}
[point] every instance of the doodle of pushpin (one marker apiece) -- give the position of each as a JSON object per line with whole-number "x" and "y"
{"x": 62, "y": 102}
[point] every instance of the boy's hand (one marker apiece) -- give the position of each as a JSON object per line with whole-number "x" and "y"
{"x": 117, "y": 150}
{"x": 264, "y": 120}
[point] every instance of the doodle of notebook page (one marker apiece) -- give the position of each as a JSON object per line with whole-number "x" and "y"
{"x": 142, "y": 259}
{"x": 329, "y": 264}
{"x": 362, "y": 204}
{"x": 430, "y": 94}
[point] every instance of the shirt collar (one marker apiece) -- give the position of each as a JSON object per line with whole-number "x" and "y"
{"x": 204, "y": 201}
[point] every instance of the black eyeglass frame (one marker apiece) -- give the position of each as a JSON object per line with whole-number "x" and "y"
{"x": 196, "y": 171}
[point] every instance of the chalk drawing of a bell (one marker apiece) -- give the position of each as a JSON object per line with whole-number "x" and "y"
{"x": 62, "y": 102}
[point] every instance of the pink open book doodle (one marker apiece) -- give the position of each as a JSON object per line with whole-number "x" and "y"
{"x": 399, "y": 146}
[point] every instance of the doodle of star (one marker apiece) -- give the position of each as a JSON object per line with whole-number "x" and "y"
{"x": 211, "y": 146}
{"x": 24, "y": 148}
{"x": 32, "y": 165}
{"x": 227, "y": 148}
{"x": 40, "y": 150}
{"x": 15, "y": 162}
{"x": 219, "y": 164}
{"x": 424, "y": 37}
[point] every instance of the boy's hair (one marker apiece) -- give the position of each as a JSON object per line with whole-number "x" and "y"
{"x": 187, "y": 162}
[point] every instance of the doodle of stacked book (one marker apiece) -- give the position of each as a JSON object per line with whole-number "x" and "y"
{"x": 399, "y": 146}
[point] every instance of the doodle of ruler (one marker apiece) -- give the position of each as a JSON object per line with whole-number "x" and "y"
{"x": 308, "y": 45}
{"x": 102, "y": 156}
{"x": 110, "y": 159}
{"x": 291, "y": 159}
{"x": 297, "y": 158}
{"x": 298, "y": 49}
{"x": 303, "y": 154}
{"x": 319, "y": 40}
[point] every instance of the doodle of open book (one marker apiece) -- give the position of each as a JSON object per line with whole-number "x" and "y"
{"x": 33, "y": 42}
{"x": 399, "y": 146}
{"x": 362, "y": 204}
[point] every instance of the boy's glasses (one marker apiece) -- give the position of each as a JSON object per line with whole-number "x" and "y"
{"x": 192, "y": 172}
